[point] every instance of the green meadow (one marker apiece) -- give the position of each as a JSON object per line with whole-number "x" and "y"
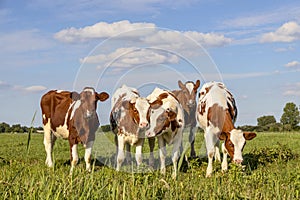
{"x": 271, "y": 171}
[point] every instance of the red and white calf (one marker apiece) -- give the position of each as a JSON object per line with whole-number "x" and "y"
{"x": 187, "y": 98}
{"x": 71, "y": 116}
{"x": 128, "y": 118}
{"x": 166, "y": 123}
{"x": 216, "y": 114}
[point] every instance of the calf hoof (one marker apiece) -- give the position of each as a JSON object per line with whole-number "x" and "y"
{"x": 208, "y": 175}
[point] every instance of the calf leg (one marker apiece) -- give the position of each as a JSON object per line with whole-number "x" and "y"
{"x": 128, "y": 153}
{"x": 74, "y": 156}
{"x": 151, "y": 146}
{"x": 224, "y": 162}
{"x": 49, "y": 140}
{"x": 162, "y": 154}
{"x": 175, "y": 155}
{"x": 192, "y": 141}
{"x": 210, "y": 140}
{"x": 217, "y": 152}
{"x": 88, "y": 155}
{"x": 120, "y": 156}
{"x": 138, "y": 152}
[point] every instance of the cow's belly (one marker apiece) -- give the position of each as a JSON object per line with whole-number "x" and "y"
{"x": 131, "y": 139}
{"x": 168, "y": 136}
{"x": 202, "y": 121}
{"x": 62, "y": 132}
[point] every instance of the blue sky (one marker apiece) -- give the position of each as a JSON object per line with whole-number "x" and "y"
{"x": 252, "y": 46}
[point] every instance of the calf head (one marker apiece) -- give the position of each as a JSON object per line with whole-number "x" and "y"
{"x": 235, "y": 141}
{"x": 161, "y": 119}
{"x": 88, "y": 101}
{"x": 189, "y": 90}
{"x": 138, "y": 109}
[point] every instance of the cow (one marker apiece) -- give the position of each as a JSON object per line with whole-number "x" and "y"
{"x": 128, "y": 120}
{"x": 187, "y": 98}
{"x": 71, "y": 116}
{"x": 216, "y": 115}
{"x": 166, "y": 123}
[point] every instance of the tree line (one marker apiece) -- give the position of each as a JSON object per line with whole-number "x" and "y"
{"x": 289, "y": 121}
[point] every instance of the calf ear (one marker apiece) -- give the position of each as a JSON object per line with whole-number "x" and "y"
{"x": 127, "y": 105}
{"x": 102, "y": 96}
{"x": 181, "y": 85}
{"x": 223, "y": 136}
{"x": 156, "y": 104}
{"x": 75, "y": 96}
{"x": 162, "y": 96}
{"x": 249, "y": 135}
{"x": 197, "y": 85}
{"x": 171, "y": 115}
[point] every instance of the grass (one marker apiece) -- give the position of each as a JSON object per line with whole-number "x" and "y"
{"x": 272, "y": 166}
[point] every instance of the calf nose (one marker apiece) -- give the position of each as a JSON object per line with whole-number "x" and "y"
{"x": 238, "y": 161}
{"x": 143, "y": 124}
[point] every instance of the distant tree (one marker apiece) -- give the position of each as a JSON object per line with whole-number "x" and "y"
{"x": 4, "y": 127}
{"x": 105, "y": 128}
{"x": 266, "y": 120}
{"x": 16, "y": 128}
{"x": 290, "y": 117}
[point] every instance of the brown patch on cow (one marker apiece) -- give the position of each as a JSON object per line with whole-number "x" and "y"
{"x": 228, "y": 144}
{"x": 196, "y": 86}
{"x": 202, "y": 107}
{"x": 207, "y": 89}
{"x": 162, "y": 96}
{"x": 166, "y": 120}
{"x": 221, "y": 85}
{"x": 220, "y": 118}
{"x": 249, "y": 135}
{"x": 55, "y": 105}
{"x": 133, "y": 112}
{"x": 102, "y": 96}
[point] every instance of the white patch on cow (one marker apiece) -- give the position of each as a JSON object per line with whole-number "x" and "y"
{"x": 130, "y": 138}
{"x": 190, "y": 87}
{"x": 238, "y": 140}
{"x": 75, "y": 107}
{"x": 155, "y": 93}
{"x": 154, "y": 114}
{"x": 87, "y": 155}
{"x": 48, "y": 143}
{"x": 59, "y": 91}
{"x": 142, "y": 106}
{"x": 127, "y": 93}
{"x": 44, "y": 116}
{"x": 62, "y": 131}
{"x": 74, "y": 156}
{"x": 89, "y": 90}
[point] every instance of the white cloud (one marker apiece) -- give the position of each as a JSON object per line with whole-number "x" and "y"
{"x": 30, "y": 89}
{"x": 293, "y": 64}
{"x": 146, "y": 32}
{"x": 35, "y": 88}
{"x": 147, "y": 45}
{"x": 104, "y": 30}
{"x": 259, "y": 19}
{"x": 288, "y": 32}
{"x": 292, "y": 89}
{"x": 284, "y": 49}
{"x": 128, "y": 57}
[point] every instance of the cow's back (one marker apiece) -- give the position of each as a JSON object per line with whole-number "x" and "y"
{"x": 216, "y": 105}
{"x": 55, "y": 106}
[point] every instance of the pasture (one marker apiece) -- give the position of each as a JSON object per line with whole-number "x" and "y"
{"x": 272, "y": 171}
